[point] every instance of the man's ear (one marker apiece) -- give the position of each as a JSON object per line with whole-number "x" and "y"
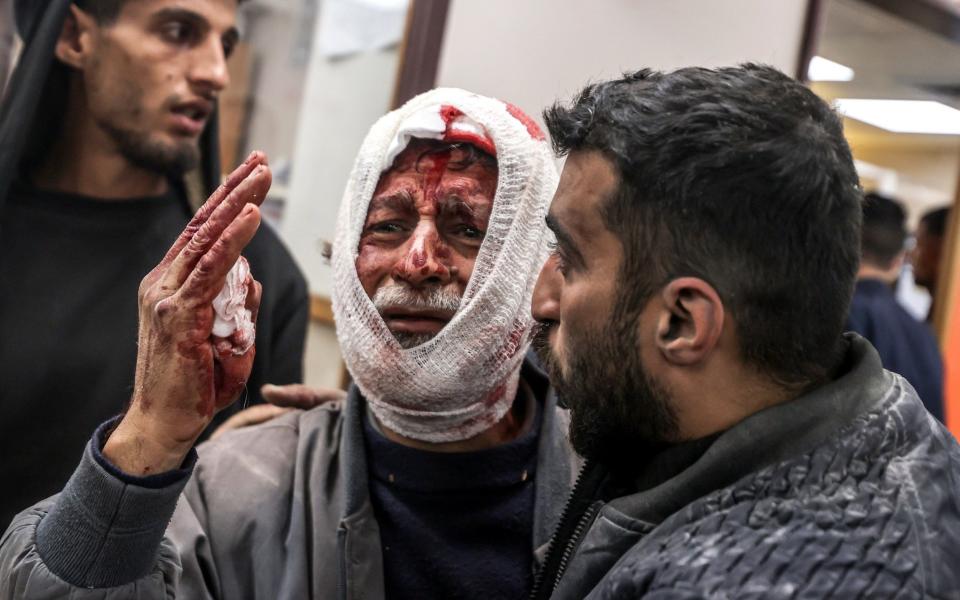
{"x": 76, "y": 38}
{"x": 690, "y": 321}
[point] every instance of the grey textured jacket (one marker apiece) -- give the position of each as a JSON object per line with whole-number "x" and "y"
{"x": 852, "y": 491}
{"x": 276, "y": 511}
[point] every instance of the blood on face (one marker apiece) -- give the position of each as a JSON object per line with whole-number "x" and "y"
{"x": 427, "y": 218}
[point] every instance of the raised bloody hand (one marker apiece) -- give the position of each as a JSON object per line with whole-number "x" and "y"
{"x": 184, "y": 374}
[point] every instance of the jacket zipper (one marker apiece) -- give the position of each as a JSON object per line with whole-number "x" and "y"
{"x": 542, "y": 589}
{"x": 582, "y": 526}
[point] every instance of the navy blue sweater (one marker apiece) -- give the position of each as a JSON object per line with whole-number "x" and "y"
{"x": 906, "y": 346}
{"x": 454, "y": 525}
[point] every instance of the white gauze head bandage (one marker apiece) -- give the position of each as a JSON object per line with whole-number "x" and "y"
{"x": 463, "y": 380}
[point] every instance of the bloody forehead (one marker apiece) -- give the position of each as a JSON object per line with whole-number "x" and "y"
{"x": 420, "y": 155}
{"x": 458, "y": 170}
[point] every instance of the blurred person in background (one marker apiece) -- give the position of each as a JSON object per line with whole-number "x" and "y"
{"x": 906, "y": 346}
{"x": 927, "y": 254}
{"x": 443, "y": 472}
{"x": 108, "y": 136}
{"x": 739, "y": 444}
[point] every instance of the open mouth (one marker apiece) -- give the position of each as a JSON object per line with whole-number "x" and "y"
{"x": 191, "y": 117}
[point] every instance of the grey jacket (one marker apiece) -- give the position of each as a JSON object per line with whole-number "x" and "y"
{"x": 276, "y": 511}
{"x": 852, "y": 491}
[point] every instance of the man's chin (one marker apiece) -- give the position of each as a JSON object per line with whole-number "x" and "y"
{"x": 409, "y": 340}
{"x": 158, "y": 153}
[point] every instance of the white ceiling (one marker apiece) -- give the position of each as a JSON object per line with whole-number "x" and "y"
{"x": 892, "y": 58}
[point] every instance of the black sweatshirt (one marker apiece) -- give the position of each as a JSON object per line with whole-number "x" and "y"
{"x": 70, "y": 268}
{"x": 455, "y": 525}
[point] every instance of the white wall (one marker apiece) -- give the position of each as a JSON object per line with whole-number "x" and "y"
{"x": 275, "y": 30}
{"x": 331, "y": 129}
{"x": 532, "y": 52}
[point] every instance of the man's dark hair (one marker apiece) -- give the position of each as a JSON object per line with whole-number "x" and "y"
{"x": 105, "y": 12}
{"x": 884, "y": 230}
{"x": 935, "y": 221}
{"x": 740, "y": 176}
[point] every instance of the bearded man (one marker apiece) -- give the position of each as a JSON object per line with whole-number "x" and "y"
{"x": 441, "y": 473}
{"x": 739, "y": 445}
{"x": 108, "y": 132}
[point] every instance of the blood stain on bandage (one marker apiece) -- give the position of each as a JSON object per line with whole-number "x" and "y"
{"x": 532, "y": 128}
{"x": 449, "y": 114}
{"x": 233, "y": 321}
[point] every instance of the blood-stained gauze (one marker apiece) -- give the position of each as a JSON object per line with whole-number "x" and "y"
{"x": 463, "y": 380}
{"x": 232, "y": 319}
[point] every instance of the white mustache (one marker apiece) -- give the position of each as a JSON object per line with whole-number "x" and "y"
{"x": 434, "y": 298}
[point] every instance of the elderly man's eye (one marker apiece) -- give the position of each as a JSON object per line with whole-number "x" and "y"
{"x": 470, "y": 232}
{"x": 388, "y": 227}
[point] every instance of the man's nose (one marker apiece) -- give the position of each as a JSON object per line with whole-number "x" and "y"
{"x": 209, "y": 70}
{"x": 546, "y": 294}
{"x": 426, "y": 259}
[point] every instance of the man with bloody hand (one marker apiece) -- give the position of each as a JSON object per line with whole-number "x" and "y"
{"x": 439, "y": 476}
{"x": 108, "y": 144}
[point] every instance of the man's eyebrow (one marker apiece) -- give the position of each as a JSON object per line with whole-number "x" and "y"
{"x": 172, "y": 13}
{"x": 458, "y": 206}
{"x": 455, "y": 204}
{"x": 564, "y": 239}
{"x": 184, "y": 14}
{"x": 400, "y": 201}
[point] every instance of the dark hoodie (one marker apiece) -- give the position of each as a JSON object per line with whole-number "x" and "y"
{"x": 70, "y": 267}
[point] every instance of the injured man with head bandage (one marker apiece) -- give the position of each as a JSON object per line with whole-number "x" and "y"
{"x": 440, "y": 475}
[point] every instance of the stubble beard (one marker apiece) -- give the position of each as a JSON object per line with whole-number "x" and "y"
{"x": 618, "y": 412}
{"x": 171, "y": 159}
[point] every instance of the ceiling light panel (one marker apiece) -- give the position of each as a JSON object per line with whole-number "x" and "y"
{"x": 822, "y": 69}
{"x": 903, "y": 116}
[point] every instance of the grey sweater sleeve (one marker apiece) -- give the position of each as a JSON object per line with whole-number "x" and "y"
{"x": 104, "y": 535}
{"x": 105, "y": 528}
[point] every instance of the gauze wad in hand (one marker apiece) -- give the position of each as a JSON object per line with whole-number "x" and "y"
{"x": 232, "y": 319}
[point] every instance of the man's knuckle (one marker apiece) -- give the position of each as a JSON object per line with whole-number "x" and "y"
{"x": 204, "y": 267}
{"x": 200, "y": 241}
{"x": 163, "y": 308}
{"x": 226, "y": 239}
